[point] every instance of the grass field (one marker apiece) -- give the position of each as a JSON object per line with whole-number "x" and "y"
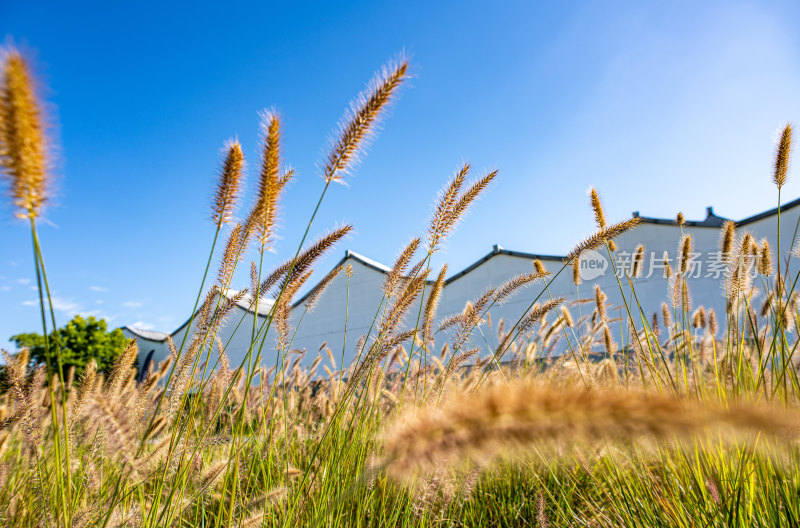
{"x": 691, "y": 421}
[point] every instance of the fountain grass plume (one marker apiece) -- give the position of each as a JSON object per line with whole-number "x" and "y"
{"x": 782, "y": 156}
{"x": 365, "y": 114}
{"x": 228, "y": 188}
{"x": 23, "y": 143}
{"x": 514, "y": 417}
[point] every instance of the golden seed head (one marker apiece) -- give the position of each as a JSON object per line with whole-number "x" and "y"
{"x": 230, "y": 179}
{"x": 23, "y": 144}
{"x": 540, "y": 269}
{"x": 602, "y": 236}
{"x": 726, "y": 237}
{"x": 360, "y": 123}
{"x": 765, "y": 259}
{"x": 567, "y": 316}
{"x": 699, "y": 318}
{"x": 608, "y": 340}
{"x": 264, "y": 214}
{"x": 597, "y": 207}
{"x": 600, "y": 300}
{"x": 453, "y": 204}
{"x": 681, "y": 221}
{"x": 686, "y": 249}
{"x": 576, "y": 271}
{"x": 638, "y": 261}
{"x": 667, "y": 267}
{"x": 712, "y": 322}
{"x": 782, "y": 156}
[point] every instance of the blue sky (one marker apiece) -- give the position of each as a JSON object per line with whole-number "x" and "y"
{"x": 664, "y": 106}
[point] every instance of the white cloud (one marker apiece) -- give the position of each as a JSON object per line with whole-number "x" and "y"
{"x": 24, "y": 282}
{"x": 98, "y": 301}
{"x": 98, "y": 289}
{"x": 132, "y": 304}
{"x": 5, "y": 288}
{"x": 142, "y": 325}
{"x": 63, "y": 305}
{"x": 98, "y": 315}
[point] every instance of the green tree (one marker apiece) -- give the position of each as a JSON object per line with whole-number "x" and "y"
{"x": 79, "y": 341}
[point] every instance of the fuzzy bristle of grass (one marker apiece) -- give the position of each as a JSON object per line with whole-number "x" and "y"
{"x": 316, "y": 293}
{"x": 566, "y": 316}
{"x": 444, "y": 207}
{"x": 727, "y": 236}
{"x": 576, "y": 272}
{"x": 667, "y": 267}
{"x": 685, "y": 254}
{"x": 686, "y": 298}
{"x": 599, "y": 215}
{"x": 283, "y": 306}
{"x": 537, "y": 313}
{"x": 230, "y": 179}
{"x": 600, "y": 302}
{"x": 432, "y": 304}
{"x": 782, "y": 156}
{"x": 655, "y": 326}
{"x": 401, "y": 306}
{"x": 23, "y": 142}
{"x": 264, "y": 213}
{"x": 712, "y": 322}
{"x": 513, "y": 284}
{"x": 464, "y": 201}
{"x": 608, "y": 341}
{"x": 638, "y": 261}
{"x": 539, "y": 267}
{"x": 366, "y": 113}
{"x": 510, "y": 418}
{"x": 306, "y": 258}
{"x": 765, "y": 259}
{"x": 230, "y": 257}
{"x": 699, "y": 318}
{"x": 666, "y": 316}
{"x": 122, "y": 369}
{"x": 597, "y": 208}
{"x": 601, "y": 236}
{"x": 399, "y": 267}
{"x": 85, "y": 387}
